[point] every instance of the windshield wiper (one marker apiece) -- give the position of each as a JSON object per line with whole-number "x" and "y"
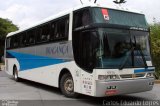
{"x": 142, "y": 54}
{"x": 143, "y": 57}
{"x": 131, "y": 50}
{"x": 133, "y": 47}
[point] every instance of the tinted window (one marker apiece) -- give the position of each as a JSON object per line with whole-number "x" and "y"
{"x": 53, "y": 30}
{"x": 38, "y": 34}
{"x": 43, "y": 33}
{"x": 60, "y": 28}
{"x": 8, "y": 43}
{"x": 82, "y": 18}
{"x": 23, "y": 39}
{"x": 31, "y": 37}
{"x": 85, "y": 45}
{"x": 14, "y": 41}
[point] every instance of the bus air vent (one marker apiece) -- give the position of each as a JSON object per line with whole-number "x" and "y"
{"x": 139, "y": 75}
{"x": 126, "y": 76}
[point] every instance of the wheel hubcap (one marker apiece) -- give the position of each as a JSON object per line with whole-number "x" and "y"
{"x": 68, "y": 85}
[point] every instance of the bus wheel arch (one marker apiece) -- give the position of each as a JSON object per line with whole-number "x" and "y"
{"x": 66, "y": 83}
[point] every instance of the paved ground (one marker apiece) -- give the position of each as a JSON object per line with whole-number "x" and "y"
{"x": 28, "y": 93}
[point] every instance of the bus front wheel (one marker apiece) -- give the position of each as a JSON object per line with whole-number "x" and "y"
{"x": 67, "y": 86}
{"x": 15, "y": 74}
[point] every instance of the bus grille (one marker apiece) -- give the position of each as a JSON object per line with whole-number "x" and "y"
{"x": 126, "y": 76}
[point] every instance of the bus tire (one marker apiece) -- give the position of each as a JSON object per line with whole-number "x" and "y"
{"x": 15, "y": 74}
{"x": 67, "y": 86}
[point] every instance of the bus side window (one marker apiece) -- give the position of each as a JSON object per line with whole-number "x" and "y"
{"x": 23, "y": 39}
{"x": 31, "y": 36}
{"x": 11, "y": 42}
{"x": 8, "y": 41}
{"x": 67, "y": 27}
{"x": 81, "y": 18}
{"x": 38, "y": 34}
{"x": 77, "y": 20}
{"x": 45, "y": 35}
{"x": 61, "y": 28}
{"x": 14, "y": 41}
{"x": 53, "y": 31}
{"x": 86, "y": 18}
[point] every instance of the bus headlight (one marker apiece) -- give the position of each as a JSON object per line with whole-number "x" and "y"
{"x": 150, "y": 75}
{"x": 108, "y": 77}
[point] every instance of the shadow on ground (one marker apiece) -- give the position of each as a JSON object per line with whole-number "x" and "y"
{"x": 82, "y": 99}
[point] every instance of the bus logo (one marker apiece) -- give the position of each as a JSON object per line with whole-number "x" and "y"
{"x": 105, "y": 14}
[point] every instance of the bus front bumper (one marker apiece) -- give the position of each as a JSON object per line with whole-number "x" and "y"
{"x": 110, "y": 88}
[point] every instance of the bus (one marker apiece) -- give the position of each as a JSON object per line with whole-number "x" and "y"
{"x": 91, "y": 50}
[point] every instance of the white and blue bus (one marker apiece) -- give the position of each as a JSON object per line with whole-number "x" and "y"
{"x": 92, "y": 50}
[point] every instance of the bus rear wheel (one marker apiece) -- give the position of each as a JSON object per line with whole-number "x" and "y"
{"x": 15, "y": 74}
{"x": 67, "y": 86}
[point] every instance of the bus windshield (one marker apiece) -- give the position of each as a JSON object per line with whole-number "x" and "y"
{"x": 111, "y": 48}
{"x": 108, "y": 38}
{"x": 119, "y": 47}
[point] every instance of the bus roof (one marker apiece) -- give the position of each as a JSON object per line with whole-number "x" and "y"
{"x": 69, "y": 11}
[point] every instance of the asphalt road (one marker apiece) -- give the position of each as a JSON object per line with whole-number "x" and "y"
{"x": 27, "y": 93}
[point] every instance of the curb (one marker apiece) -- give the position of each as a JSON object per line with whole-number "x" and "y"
{"x": 157, "y": 81}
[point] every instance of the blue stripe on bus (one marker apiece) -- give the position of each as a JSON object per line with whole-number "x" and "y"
{"x": 28, "y": 61}
{"x": 143, "y": 70}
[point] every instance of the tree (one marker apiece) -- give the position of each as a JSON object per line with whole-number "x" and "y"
{"x": 6, "y": 26}
{"x": 155, "y": 46}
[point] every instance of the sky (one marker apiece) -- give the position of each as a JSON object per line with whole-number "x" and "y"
{"x": 25, "y": 13}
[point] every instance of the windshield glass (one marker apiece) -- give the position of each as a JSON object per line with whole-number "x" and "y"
{"x": 111, "y": 48}
{"x": 119, "y": 47}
